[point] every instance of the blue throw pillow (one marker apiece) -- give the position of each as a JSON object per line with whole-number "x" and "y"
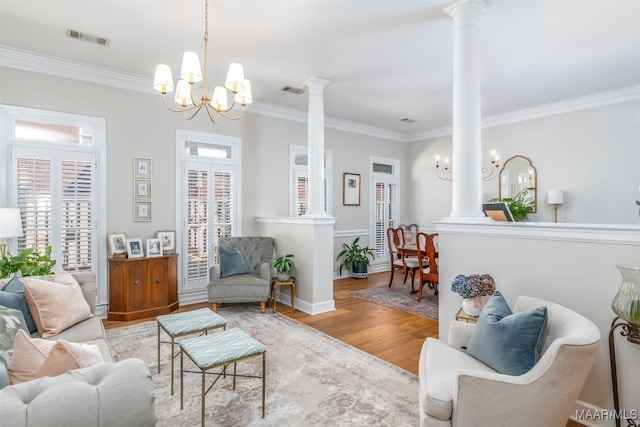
{"x": 232, "y": 262}
{"x": 508, "y": 342}
{"x": 12, "y": 295}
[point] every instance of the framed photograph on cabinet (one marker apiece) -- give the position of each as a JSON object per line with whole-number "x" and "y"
{"x": 167, "y": 240}
{"x": 117, "y": 244}
{"x": 154, "y": 248}
{"x": 134, "y": 248}
{"x": 141, "y": 211}
{"x": 142, "y": 189}
{"x": 141, "y": 167}
{"x": 351, "y": 189}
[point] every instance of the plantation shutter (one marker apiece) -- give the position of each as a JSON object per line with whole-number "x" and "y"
{"x": 55, "y": 192}
{"x": 197, "y": 226}
{"x": 302, "y": 195}
{"x": 210, "y": 207}
{"x": 385, "y": 214}
{"x": 223, "y": 199}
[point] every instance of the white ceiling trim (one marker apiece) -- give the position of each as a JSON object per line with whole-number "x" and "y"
{"x": 28, "y": 61}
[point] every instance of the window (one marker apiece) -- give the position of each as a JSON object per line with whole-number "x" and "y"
{"x": 53, "y": 160}
{"x": 209, "y": 186}
{"x": 299, "y": 167}
{"x": 385, "y": 192}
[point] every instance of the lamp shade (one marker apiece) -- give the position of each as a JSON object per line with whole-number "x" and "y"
{"x": 555, "y": 197}
{"x": 183, "y": 93}
{"x": 235, "y": 78}
{"x": 191, "y": 71}
{"x": 244, "y": 96}
{"x": 10, "y": 223}
{"x": 163, "y": 80}
{"x": 219, "y": 99}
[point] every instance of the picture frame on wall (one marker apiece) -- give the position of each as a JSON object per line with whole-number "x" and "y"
{"x": 351, "y": 189}
{"x": 141, "y": 211}
{"x": 154, "y": 248}
{"x": 142, "y": 189}
{"x": 141, "y": 167}
{"x": 167, "y": 240}
{"x": 117, "y": 244}
{"x": 134, "y": 248}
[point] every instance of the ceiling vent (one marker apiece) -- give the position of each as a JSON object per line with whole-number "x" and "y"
{"x": 408, "y": 120}
{"x": 87, "y": 37}
{"x": 296, "y": 90}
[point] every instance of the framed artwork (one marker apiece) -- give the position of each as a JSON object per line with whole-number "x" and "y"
{"x": 167, "y": 240}
{"x": 134, "y": 248}
{"x": 153, "y": 247}
{"x": 351, "y": 189}
{"x": 117, "y": 244}
{"x": 499, "y": 211}
{"x": 141, "y": 167}
{"x": 142, "y": 211}
{"x": 142, "y": 189}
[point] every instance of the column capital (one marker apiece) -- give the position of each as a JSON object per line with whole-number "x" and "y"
{"x": 475, "y": 7}
{"x": 316, "y": 83}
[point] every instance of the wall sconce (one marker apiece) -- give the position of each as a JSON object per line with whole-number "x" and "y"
{"x": 555, "y": 198}
{"x": 488, "y": 173}
{"x": 10, "y": 226}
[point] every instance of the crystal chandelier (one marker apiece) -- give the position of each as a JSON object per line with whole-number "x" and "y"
{"x": 488, "y": 173}
{"x": 191, "y": 73}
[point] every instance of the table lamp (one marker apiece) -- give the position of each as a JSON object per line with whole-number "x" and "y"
{"x": 555, "y": 198}
{"x": 10, "y": 226}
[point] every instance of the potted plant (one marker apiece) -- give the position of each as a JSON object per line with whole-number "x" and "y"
{"x": 285, "y": 267}
{"x": 356, "y": 258}
{"x": 520, "y": 204}
{"x": 27, "y": 263}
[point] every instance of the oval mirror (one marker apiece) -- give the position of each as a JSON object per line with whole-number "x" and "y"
{"x": 517, "y": 174}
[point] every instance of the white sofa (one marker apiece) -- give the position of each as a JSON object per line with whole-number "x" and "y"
{"x": 105, "y": 395}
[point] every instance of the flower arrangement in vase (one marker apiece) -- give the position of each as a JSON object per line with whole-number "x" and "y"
{"x": 475, "y": 291}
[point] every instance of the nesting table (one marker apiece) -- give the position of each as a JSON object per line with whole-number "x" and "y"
{"x": 219, "y": 350}
{"x": 187, "y": 323}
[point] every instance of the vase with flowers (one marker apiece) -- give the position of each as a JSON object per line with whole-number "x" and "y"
{"x": 475, "y": 291}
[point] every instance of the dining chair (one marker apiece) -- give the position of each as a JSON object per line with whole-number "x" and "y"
{"x": 427, "y": 262}
{"x": 410, "y": 232}
{"x": 395, "y": 240}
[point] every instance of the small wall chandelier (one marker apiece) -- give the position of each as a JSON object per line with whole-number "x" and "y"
{"x": 488, "y": 173}
{"x": 191, "y": 73}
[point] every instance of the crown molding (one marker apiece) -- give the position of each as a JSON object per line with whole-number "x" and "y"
{"x": 29, "y": 61}
{"x": 631, "y": 93}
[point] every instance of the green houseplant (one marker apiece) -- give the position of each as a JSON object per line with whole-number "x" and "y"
{"x": 355, "y": 258}
{"x": 285, "y": 266}
{"x": 28, "y": 263}
{"x": 520, "y": 205}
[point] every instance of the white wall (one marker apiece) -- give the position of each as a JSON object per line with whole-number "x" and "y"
{"x": 593, "y": 155}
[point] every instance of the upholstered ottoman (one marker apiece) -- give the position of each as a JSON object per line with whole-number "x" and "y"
{"x": 220, "y": 350}
{"x": 181, "y": 324}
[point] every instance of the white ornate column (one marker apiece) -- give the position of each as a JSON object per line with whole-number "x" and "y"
{"x": 467, "y": 143}
{"x": 316, "y": 145}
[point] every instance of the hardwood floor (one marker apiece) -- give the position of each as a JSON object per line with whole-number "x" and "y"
{"x": 389, "y": 334}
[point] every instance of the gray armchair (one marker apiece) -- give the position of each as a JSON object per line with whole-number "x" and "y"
{"x": 258, "y": 253}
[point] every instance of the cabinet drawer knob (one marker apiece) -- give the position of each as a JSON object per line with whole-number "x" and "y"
{"x": 158, "y": 281}
{"x": 136, "y": 283}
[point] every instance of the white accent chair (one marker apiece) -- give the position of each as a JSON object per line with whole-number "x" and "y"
{"x": 459, "y": 390}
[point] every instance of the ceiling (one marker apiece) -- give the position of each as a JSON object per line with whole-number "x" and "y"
{"x": 386, "y": 60}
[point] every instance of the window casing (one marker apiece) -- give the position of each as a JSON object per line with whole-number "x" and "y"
{"x": 385, "y": 190}
{"x": 210, "y": 189}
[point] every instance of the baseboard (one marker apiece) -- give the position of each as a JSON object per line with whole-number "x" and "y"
{"x": 321, "y": 307}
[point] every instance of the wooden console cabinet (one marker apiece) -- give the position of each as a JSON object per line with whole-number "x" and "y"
{"x": 142, "y": 287}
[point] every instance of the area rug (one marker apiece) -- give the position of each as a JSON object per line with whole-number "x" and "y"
{"x": 312, "y": 379}
{"x": 398, "y": 297}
